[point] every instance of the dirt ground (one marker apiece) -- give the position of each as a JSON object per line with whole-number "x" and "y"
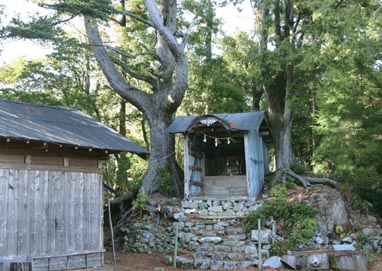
{"x": 155, "y": 262}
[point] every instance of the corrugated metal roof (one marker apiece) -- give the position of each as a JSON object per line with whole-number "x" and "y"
{"x": 237, "y": 121}
{"x": 59, "y": 125}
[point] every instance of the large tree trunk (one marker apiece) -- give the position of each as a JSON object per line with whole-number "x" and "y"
{"x": 168, "y": 86}
{"x": 163, "y": 155}
{"x": 278, "y": 84}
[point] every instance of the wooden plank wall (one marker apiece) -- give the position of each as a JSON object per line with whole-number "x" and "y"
{"x": 47, "y": 213}
{"x": 225, "y": 186}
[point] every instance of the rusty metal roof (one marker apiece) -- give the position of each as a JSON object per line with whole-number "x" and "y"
{"x": 235, "y": 122}
{"x": 59, "y": 125}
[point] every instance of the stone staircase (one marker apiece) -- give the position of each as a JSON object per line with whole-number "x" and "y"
{"x": 211, "y": 234}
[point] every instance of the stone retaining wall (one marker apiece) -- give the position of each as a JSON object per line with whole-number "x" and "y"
{"x": 211, "y": 236}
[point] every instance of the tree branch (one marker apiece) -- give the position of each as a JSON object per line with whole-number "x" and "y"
{"x": 133, "y": 95}
{"x": 157, "y": 22}
{"x": 148, "y": 79}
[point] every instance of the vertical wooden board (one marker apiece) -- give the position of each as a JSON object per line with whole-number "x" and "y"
{"x": 11, "y": 226}
{"x": 94, "y": 215}
{"x": 79, "y": 216}
{"x": 51, "y": 205}
{"x": 36, "y": 210}
{"x": 23, "y": 216}
{"x": 72, "y": 210}
{"x": 100, "y": 210}
{"x": 3, "y": 210}
{"x": 248, "y": 149}
{"x": 260, "y": 162}
{"x": 67, "y": 227}
{"x": 85, "y": 216}
{"x": 265, "y": 157}
{"x": 43, "y": 232}
{"x": 57, "y": 178}
{"x": 187, "y": 172}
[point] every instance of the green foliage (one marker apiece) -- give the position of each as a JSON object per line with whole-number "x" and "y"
{"x": 94, "y": 8}
{"x": 279, "y": 191}
{"x": 140, "y": 201}
{"x": 340, "y": 231}
{"x": 362, "y": 239}
{"x": 301, "y": 232}
{"x": 279, "y": 248}
{"x": 166, "y": 185}
{"x": 296, "y": 219}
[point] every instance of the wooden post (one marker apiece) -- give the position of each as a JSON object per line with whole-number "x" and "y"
{"x": 260, "y": 263}
{"x": 112, "y": 235}
{"x": 176, "y": 243}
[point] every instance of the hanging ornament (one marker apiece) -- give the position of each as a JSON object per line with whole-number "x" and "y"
{"x": 216, "y": 142}
{"x": 228, "y": 141}
{"x": 205, "y": 138}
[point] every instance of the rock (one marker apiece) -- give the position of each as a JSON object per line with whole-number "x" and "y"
{"x": 250, "y": 250}
{"x": 343, "y": 248}
{"x": 215, "y": 265}
{"x": 213, "y": 240}
{"x": 347, "y": 240}
{"x": 273, "y": 262}
{"x": 202, "y": 264}
{"x": 318, "y": 240}
{"x": 245, "y": 264}
{"x": 331, "y": 210}
{"x": 184, "y": 262}
{"x": 180, "y": 217}
{"x": 368, "y": 231}
{"x": 372, "y": 219}
{"x": 265, "y": 236}
{"x": 216, "y": 209}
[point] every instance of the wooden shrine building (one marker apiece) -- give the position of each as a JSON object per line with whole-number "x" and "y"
{"x": 51, "y": 202}
{"x": 225, "y": 155}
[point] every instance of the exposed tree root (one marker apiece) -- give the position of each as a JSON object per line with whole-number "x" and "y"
{"x": 308, "y": 181}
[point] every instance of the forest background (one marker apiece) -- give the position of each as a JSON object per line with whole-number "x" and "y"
{"x": 314, "y": 65}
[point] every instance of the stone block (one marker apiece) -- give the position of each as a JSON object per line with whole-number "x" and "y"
{"x": 244, "y": 264}
{"x": 216, "y": 209}
{"x": 265, "y": 236}
{"x": 234, "y": 256}
{"x": 222, "y": 248}
{"x": 236, "y": 237}
{"x": 230, "y": 265}
{"x": 202, "y": 264}
{"x": 212, "y": 239}
{"x": 250, "y": 250}
{"x": 216, "y": 265}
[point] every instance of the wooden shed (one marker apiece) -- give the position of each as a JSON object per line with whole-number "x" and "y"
{"x": 225, "y": 155}
{"x": 51, "y": 202}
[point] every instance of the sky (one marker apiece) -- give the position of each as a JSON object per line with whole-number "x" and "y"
{"x": 11, "y": 49}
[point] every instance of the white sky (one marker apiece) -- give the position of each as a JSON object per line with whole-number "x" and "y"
{"x": 233, "y": 20}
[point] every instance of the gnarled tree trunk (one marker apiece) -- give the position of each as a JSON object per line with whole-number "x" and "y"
{"x": 168, "y": 85}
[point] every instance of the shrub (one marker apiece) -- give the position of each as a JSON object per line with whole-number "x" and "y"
{"x": 295, "y": 219}
{"x": 140, "y": 201}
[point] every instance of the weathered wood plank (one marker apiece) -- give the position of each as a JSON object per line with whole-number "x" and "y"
{"x": 84, "y": 163}
{"x": 23, "y": 218}
{"x": 3, "y": 210}
{"x": 12, "y": 158}
{"x": 47, "y": 160}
